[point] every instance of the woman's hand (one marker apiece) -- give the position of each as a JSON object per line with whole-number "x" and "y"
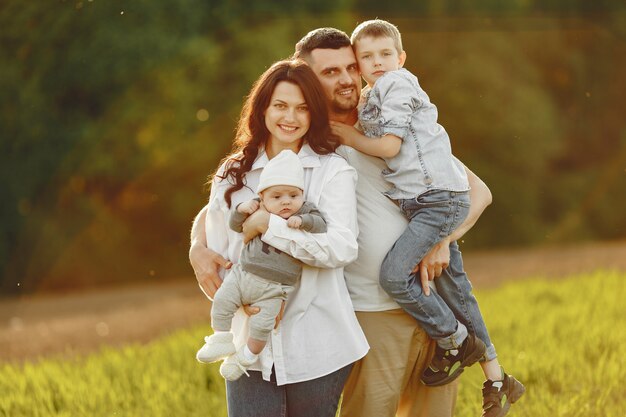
{"x": 250, "y": 311}
{"x": 435, "y": 261}
{"x": 256, "y": 224}
{"x": 206, "y": 265}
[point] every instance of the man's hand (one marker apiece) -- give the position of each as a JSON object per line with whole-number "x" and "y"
{"x": 345, "y": 132}
{"x": 248, "y": 207}
{"x": 206, "y": 266}
{"x": 294, "y": 222}
{"x": 435, "y": 261}
{"x": 256, "y": 224}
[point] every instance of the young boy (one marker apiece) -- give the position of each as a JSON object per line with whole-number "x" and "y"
{"x": 264, "y": 276}
{"x": 430, "y": 186}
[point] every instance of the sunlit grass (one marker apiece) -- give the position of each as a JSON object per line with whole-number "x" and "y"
{"x": 565, "y": 339}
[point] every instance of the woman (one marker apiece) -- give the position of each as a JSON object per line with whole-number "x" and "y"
{"x": 304, "y": 366}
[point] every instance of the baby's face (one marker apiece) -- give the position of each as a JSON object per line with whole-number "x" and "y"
{"x": 282, "y": 200}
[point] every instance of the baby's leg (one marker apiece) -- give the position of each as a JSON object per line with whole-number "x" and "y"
{"x": 226, "y": 301}
{"x": 262, "y": 323}
{"x": 268, "y": 296}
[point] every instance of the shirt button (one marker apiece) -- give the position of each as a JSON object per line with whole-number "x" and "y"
{"x": 428, "y": 181}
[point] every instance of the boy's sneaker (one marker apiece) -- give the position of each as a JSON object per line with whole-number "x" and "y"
{"x": 216, "y": 347}
{"x": 236, "y": 365}
{"x": 499, "y": 395}
{"x": 447, "y": 365}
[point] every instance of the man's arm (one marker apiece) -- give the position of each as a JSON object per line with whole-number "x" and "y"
{"x": 205, "y": 262}
{"x": 437, "y": 259}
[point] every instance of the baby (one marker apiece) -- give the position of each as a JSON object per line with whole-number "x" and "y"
{"x": 264, "y": 275}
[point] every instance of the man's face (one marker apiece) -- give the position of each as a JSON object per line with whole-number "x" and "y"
{"x": 338, "y": 72}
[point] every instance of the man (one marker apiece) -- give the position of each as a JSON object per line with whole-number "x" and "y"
{"x": 387, "y": 380}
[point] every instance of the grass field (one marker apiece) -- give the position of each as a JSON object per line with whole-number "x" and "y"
{"x": 565, "y": 339}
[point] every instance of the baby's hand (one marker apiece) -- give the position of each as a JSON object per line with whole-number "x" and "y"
{"x": 248, "y": 207}
{"x": 294, "y": 222}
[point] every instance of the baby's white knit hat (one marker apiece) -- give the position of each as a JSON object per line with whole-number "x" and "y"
{"x": 283, "y": 169}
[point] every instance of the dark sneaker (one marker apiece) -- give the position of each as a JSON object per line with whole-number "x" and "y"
{"x": 447, "y": 365}
{"x": 499, "y": 395}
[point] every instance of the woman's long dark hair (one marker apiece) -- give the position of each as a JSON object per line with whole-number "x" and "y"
{"x": 252, "y": 132}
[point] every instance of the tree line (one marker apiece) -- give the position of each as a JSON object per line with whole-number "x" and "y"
{"x": 113, "y": 115}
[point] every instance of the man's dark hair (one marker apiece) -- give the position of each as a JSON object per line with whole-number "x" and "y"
{"x": 322, "y": 38}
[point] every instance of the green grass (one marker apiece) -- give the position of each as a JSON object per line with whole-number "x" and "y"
{"x": 565, "y": 339}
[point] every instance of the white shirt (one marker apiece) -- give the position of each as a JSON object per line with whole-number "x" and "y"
{"x": 380, "y": 224}
{"x": 319, "y": 332}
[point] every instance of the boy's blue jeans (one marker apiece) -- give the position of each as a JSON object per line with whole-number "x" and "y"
{"x": 452, "y": 311}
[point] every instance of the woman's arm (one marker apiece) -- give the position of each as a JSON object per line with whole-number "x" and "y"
{"x": 335, "y": 248}
{"x": 206, "y": 263}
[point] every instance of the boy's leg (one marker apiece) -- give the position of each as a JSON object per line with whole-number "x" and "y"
{"x": 455, "y": 289}
{"x": 386, "y": 380}
{"x": 432, "y": 217}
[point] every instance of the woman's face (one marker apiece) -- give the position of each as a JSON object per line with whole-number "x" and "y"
{"x": 287, "y": 117}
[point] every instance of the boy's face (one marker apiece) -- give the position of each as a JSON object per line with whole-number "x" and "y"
{"x": 377, "y": 56}
{"x": 282, "y": 200}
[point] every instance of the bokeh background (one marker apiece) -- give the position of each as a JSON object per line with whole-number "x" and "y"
{"x": 113, "y": 114}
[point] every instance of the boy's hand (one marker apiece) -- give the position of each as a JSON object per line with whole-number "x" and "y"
{"x": 294, "y": 222}
{"x": 345, "y": 132}
{"x": 248, "y": 207}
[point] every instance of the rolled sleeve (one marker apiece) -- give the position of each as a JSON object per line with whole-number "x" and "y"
{"x": 398, "y": 101}
{"x": 338, "y": 246}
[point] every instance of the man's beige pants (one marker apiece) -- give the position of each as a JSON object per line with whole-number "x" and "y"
{"x": 387, "y": 380}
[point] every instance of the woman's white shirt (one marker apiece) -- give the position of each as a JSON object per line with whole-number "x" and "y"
{"x": 319, "y": 332}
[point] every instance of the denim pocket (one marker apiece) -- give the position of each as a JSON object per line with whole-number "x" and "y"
{"x": 461, "y": 210}
{"x": 434, "y": 198}
{"x": 436, "y": 201}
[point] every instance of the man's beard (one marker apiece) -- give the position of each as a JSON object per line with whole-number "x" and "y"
{"x": 342, "y": 107}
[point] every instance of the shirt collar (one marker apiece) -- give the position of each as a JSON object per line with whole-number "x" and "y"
{"x": 308, "y": 158}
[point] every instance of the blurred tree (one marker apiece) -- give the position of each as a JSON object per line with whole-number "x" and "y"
{"x": 113, "y": 114}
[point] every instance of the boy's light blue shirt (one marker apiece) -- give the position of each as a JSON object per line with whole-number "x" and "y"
{"x": 397, "y": 105}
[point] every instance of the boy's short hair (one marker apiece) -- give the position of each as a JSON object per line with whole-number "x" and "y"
{"x": 377, "y": 28}
{"x": 322, "y": 38}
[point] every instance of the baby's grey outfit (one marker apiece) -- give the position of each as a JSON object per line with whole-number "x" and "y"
{"x": 263, "y": 277}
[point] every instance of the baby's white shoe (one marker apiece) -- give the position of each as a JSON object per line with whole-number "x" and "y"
{"x": 236, "y": 365}
{"x": 216, "y": 347}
